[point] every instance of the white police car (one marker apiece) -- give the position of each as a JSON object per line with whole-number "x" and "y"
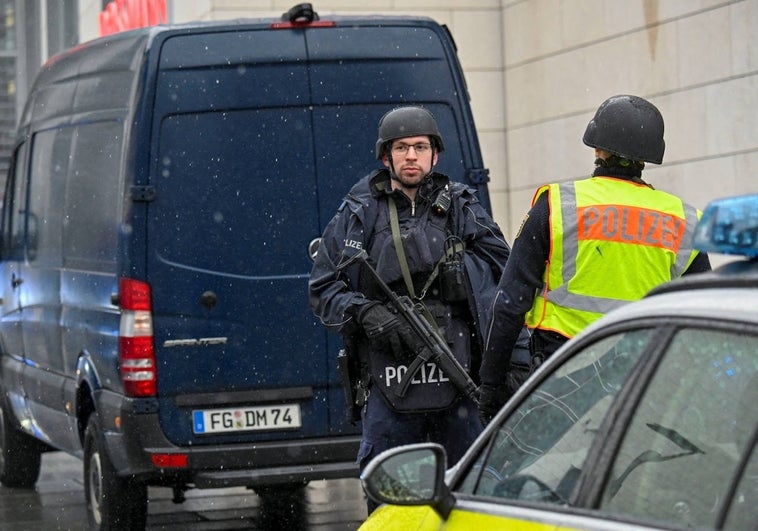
{"x": 646, "y": 420}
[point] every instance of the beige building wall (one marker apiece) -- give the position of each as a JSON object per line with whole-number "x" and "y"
{"x": 696, "y": 60}
{"x": 538, "y": 69}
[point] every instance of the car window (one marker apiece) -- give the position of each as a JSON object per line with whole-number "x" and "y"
{"x": 51, "y": 152}
{"x": 92, "y": 209}
{"x": 538, "y": 452}
{"x": 681, "y": 451}
{"x": 14, "y": 211}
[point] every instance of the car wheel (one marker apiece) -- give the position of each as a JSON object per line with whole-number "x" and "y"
{"x": 113, "y": 502}
{"x": 20, "y": 455}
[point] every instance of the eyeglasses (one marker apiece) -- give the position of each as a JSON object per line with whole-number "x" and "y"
{"x": 420, "y": 149}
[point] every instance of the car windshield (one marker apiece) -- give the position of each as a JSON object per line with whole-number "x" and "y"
{"x": 538, "y": 453}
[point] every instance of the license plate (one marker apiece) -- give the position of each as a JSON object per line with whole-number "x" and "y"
{"x": 257, "y": 418}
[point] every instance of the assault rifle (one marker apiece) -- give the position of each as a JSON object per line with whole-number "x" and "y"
{"x": 434, "y": 347}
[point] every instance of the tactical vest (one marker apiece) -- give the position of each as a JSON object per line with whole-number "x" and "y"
{"x": 423, "y": 237}
{"x": 611, "y": 241}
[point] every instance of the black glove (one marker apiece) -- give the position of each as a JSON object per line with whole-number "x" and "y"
{"x": 386, "y": 331}
{"x": 491, "y": 399}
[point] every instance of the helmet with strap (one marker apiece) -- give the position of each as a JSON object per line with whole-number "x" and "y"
{"x": 405, "y": 122}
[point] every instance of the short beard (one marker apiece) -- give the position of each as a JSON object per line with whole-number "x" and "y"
{"x": 394, "y": 176}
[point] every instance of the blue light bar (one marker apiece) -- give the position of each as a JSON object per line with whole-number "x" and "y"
{"x": 729, "y": 226}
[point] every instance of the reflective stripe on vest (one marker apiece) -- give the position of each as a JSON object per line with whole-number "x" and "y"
{"x": 648, "y": 226}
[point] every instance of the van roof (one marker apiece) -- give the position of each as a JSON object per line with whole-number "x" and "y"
{"x": 106, "y": 69}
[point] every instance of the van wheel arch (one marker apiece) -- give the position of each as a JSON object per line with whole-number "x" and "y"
{"x": 87, "y": 382}
{"x": 85, "y": 406}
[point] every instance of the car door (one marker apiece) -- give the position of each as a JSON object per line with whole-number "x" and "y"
{"x": 14, "y": 222}
{"x": 40, "y": 274}
{"x": 649, "y": 426}
{"x": 685, "y": 446}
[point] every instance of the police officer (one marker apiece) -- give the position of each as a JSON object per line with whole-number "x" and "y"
{"x": 588, "y": 246}
{"x": 428, "y": 238}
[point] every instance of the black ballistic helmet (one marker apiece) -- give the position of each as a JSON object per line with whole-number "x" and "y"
{"x": 628, "y": 126}
{"x": 404, "y": 122}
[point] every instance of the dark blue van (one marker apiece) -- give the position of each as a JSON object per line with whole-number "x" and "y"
{"x": 167, "y": 187}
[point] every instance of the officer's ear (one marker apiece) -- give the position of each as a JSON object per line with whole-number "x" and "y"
{"x": 386, "y": 160}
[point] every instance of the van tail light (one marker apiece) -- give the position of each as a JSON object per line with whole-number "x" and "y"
{"x": 170, "y": 460}
{"x": 136, "y": 348}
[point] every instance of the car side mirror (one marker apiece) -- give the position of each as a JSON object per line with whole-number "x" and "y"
{"x": 413, "y": 474}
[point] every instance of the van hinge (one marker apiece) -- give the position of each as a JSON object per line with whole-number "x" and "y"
{"x": 478, "y": 175}
{"x": 143, "y": 194}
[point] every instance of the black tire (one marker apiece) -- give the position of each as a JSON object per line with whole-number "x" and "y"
{"x": 20, "y": 454}
{"x": 113, "y": 502}
{"x": 283, "y": 506}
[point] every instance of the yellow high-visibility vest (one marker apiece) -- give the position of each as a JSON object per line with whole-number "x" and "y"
{"x": 611, "y": 241}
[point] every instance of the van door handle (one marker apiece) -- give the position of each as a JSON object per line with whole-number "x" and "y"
{"x": 16, "y": 281}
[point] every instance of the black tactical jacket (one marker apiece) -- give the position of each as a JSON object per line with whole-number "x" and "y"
{"x": 335, "y": 295}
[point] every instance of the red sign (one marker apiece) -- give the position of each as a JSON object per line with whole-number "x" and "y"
{"x": 122, "y": 15}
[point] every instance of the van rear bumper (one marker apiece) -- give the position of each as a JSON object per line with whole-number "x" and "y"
{"x": 274, "y": 475}
{"x": 131, "y": 448}
{"x": 275, "y": 462}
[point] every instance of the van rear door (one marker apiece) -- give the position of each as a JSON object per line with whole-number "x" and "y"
{"x": 239, "y": 352}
